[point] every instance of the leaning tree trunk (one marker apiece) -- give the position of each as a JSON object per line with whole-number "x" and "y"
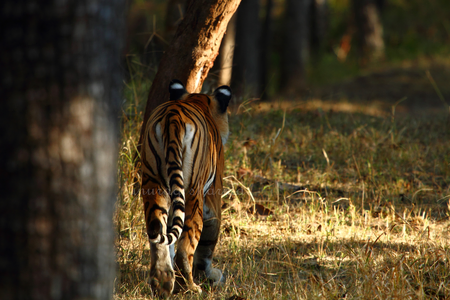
{"x": 60, "y": 85}
{"x": 174, "y": 14}
{"x": 192, "y": 51}
{"x": 295, "y": 46}
{"x": 369, "y": 29}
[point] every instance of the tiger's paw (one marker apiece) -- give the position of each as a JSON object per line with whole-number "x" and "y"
{"x": 194, "y": 288}
{"x": 216, "y": 276}
{"x": 162, "y": 282}
{"x": 183, "y": 286}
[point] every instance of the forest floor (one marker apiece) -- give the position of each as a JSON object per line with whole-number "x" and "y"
{"x": 342, "y": 194}
{"x": 422, "y": 83}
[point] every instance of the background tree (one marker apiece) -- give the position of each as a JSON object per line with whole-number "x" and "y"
{"x": 369, "y": 28}
{"x": 246, "y": 59}
{"x": 266, "y": 45}
{"x": 226, "y": 53}
{"x": 318, "y": 26}
{"x": 193, "y": 49}
{"x": 294, "y": 53}
{"x": 61, "y": 84}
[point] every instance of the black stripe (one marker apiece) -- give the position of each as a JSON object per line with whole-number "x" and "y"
{"x": 176, "y": 143}
{"x": 176, "y": 178}
{"x": 178, "y": 196}
{"x": 157, "y": 207}
{"x": 176, "y": 233}
{"x": 175, "y": 168}
{"x": 146, "y": 178}
{"x": 154, "y": 229}
{"x": 179, "y": 206}
{"x": 179, "y": 185}
{"x": 155, "y": 154}
{"x": 194, "y": 139}
{"x": 178, "y": 222}
{"x": 176, "y": 153}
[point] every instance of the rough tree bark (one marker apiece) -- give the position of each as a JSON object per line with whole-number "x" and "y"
{"x": 369, "y": 29}
{"x": 246, "y": 60}
{"x": 60, "y": 84}
{"x": 294, "y": 54}
{"x": 174, "y": 14}
{"x": 193, "y": 49}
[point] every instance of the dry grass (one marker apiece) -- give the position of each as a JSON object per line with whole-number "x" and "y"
{"x": 324, "y": 200}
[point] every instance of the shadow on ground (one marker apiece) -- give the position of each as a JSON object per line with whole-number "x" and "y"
{"x": 389, "y": 86}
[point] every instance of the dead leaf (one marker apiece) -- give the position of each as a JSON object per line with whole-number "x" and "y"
{"x": 236, "y": 297}
{"x": 260, "y": 210}
{"x": 241, "y": 172}
{"x": 249, "y": 143}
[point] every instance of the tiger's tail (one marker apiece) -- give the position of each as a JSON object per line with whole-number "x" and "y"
{"x": 174, "y": 165}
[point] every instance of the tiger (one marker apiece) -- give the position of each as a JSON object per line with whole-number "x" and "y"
{"x": 182, "y": 167}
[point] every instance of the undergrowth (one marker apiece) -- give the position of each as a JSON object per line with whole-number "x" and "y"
{"x": 322, "y": 200}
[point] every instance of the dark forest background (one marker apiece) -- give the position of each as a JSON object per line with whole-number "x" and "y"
{"x": 360, "y": 49}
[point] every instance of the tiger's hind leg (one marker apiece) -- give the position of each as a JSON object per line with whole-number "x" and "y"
{"x": 187, "y": 243}
{"x": 208, "y": 240}
{"x": 162, "y": 275}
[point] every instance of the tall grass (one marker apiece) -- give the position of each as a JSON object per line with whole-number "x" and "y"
{"x": 323, "y": 200}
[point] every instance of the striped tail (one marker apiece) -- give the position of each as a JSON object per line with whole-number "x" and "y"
{"x": 174, "y": 161}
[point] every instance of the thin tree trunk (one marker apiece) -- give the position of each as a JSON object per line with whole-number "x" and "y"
{"x": 226, "y": 53}
{"x": 193, "y": 49}
{"x": 246, "y": 59}
{"x": 266, "y": 38}
{"x": 369, "y": 29}
{"x": 60, "y": 82}
{"x": 318, "y": 25}
{"x": 295, "y": 47}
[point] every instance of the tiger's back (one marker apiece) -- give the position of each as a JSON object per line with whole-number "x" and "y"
{"x": 182, "y": 169}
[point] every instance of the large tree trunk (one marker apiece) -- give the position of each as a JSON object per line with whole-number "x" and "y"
{"x": 369, "y": 29}
{"x": 193, "y": 49}
{"x": 174, "y": 14}
{"x": 246, "y": 59}
{"x": 294, "y": 55}
{"x": 60, "y": 82}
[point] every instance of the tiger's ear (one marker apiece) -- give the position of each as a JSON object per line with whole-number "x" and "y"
{"x": 176, "y": 90}
{"x": 223, "y": 97}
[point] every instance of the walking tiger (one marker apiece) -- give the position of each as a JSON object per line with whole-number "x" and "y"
{"x": 182, "y": 167}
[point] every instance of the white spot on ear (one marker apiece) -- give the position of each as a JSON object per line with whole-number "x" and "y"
{"x": 177, "y": 86}
{"x": 225, "y": 92}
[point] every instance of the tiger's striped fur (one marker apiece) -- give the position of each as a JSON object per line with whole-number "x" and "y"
{"x": 182, "y": 166}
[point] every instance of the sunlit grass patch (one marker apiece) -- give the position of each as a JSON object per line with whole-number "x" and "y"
{"x": 322, "y": 200}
